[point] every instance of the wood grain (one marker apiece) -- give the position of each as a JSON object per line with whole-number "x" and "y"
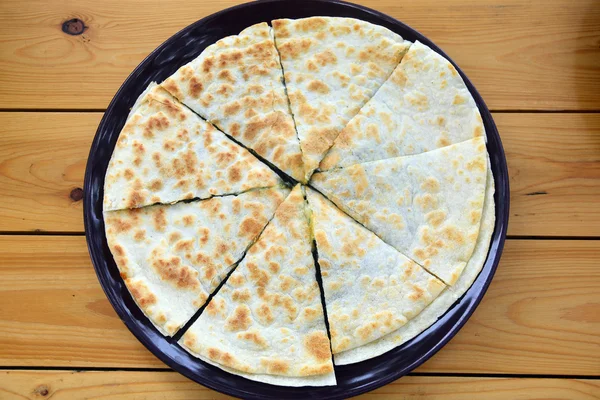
{"x": 531, "y": 321}
{"x": 170, "y": 385}
{"x": 42, "y": 160}
{"x": 520, "y": 55}
{"x": 554, "y": 166}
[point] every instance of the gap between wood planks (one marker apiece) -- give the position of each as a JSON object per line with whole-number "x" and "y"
{"x": 438, "y": 374}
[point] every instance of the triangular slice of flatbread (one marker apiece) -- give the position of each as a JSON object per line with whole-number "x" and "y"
{"x": 237, "y": 84}
{"x": 424, "y": 105}
{"x": 428, "y": 206}
{"x": 441, "y": 304}
{"x": 332, "y": 67}
{"x": 370, "y": 288}
{"x": 267, "y": 319}
{"x": 166, "y": 153}
{"x": 172, "y": 257}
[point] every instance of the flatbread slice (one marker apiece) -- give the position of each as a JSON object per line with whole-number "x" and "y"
{"x": 166, "y": 153}
{"x": 172, "y": 257}
{"x": 267, "y": 319}
{"x": 237, "y": 84}
{"x": 370, "y": 288}
{"x": 428, "y": 206}
{"x": 424, "y": 105}
{"x": 332, "y": 67}
{"x": 443, "y": 301}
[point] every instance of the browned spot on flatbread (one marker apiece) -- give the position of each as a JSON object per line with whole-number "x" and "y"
{"x": 172, "y": 87}
{"x": 317, "y": 345}
{"x": 140, "y": 235}
{"x": 318, "y": 86}
{"x": 156, "y": 185}
{"x": 232, "y": 108}
{"x": 458, "y": 99}
{"x": 226, "y": 75}
{"x": 240, "y": 319}
{"x": 188, "y": 220}
{"x": 118, "y": 250}
{"x": 184, "y": 245}
{"x": 258, "y": 275}
{"x": 159, "y": 219}
{"x": 431, "y": 185}
{"x": 310, "y": 24}
{"x": 171, "y": 270}
{"x": 241, "y": 295}
{"x": 253, "y": 337}
{"x": 478, "y": 164}
{"x": 417, "y": 293}
{"x": 436, "y": 217}
{"x": 141, "y": 294}
{"x": 234, "y": 174}
{"x": 325, "y": 58}
{"x": 295, "y": 48}
{"x": 136, "y": 199}
{"x": 264, "y": 313}
{"x": 250, "y": 227}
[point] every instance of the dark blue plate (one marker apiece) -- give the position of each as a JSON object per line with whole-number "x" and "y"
{"x": 162, "y": 62}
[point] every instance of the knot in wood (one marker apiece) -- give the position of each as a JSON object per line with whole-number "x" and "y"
{"x": 73, "y": 27}
{"x": 76, "y": 194}
{"x": 42, "y": 390}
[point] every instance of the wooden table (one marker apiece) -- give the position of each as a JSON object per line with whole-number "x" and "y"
{"x": 537, "y": 65}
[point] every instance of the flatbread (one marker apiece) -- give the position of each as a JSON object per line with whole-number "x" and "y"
{"x": 165, "y": 153}
{"x": 237, "y": 84}
{"x": 444, "y": 301}
{"x": 370, "y": 288}
{"x": 424, "y": 105}
{"x": 172, "y": 257}
{"x": 428, "y": 206}
{"x": 267, "y": 319}
{"x": 332, "y": 67}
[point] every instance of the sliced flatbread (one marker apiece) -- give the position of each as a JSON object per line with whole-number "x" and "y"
{"x": 172, "y": 257}
{"x": 332, "y": 67}
{"x": 237, "y": 84}
{"x": 267, "y": 319}
{"x": 424, "y": 105}
{"x": 443, "y": 301}
{"x": 370, "y": 288}
{"x": 428, "y": 206}
{"x": 166, "y": 153}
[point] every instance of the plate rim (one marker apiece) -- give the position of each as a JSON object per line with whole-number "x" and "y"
{"x": 501, "y": 197}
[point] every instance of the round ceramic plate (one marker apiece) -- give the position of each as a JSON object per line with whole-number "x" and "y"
{"x": 164, "y": 61}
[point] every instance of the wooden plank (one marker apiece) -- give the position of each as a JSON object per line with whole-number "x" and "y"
{"x": 42, "y": 160}
{"x": 553, "y": 164}
{"x": 161, "y": 385}
{"x": 538, "y": 317}
{"x": 554, "y": 168}
{"x": 520, "y": 55}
